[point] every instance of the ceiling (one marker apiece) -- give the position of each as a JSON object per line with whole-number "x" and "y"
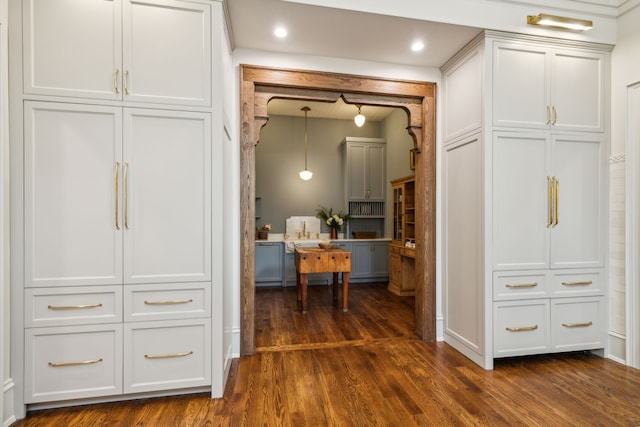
{"x": 339, "y": 33}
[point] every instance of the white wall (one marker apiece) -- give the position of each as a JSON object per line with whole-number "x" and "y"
{"x": 4, "y": 208}
{"x": 625, "y": 74}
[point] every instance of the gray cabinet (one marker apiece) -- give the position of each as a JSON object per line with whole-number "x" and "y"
{"x": 365, "y": 169}
{"x": 370, "y": 261}
{"x": 269, "y": 263}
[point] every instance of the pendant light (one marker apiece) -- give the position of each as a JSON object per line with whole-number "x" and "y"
{"x": 360, "y": 118}
{"x": 305, "y": 174}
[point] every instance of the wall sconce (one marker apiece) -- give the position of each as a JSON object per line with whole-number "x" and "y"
{"x": 360, "y": 118}
{"x": 559, "y": 22}
{"x": 305, "y": 174}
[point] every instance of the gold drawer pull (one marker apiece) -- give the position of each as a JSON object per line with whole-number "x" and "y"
{"x": 181, "y": 301}
{"x": 522, "y": 285}
{"x": 522, "y": 329}
{"x": 85, "y": 362}
{"x": 72, "y": 307}
{"x": 585, "y": 283}
{"x": 577, "y": 325}
{"x": 166, "y": 356}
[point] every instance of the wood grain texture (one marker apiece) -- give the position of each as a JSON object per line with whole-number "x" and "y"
{"x": 367, "y": 368}
{"x": 258, "y": 85}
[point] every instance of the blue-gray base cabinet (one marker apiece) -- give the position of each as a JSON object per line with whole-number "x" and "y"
{"x": 269, "y": 262}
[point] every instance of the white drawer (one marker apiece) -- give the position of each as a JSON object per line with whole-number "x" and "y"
{"x": 72, "y": 306}
{"x": 167, "y": 355}
{"x": 167, "y": 301}
{"x": 577, "y": 284}
{"x": 521, "y": 327}
{"x": 515, "y": 285}
{"x": 72, "y": 362}
{"x": 578, "y": 323}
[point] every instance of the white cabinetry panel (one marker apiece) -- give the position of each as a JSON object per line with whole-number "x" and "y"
{"x": 521, "y": 327}
{"x": 167, "y": 223}
{"x": 73, "y": 362}
{"x": 71, "y": 153}
{"x": 578, "y": 323}
{"x": 520, "y": 201}
{"x": 71, "y": 48}
{"x": 167, "y": 355}
{"x": 577, "y": 239}
{"x": 78, "y": 305}
{"x": 167, "y": 301}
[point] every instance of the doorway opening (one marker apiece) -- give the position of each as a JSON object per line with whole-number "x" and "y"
{"x": 258, "y": 86}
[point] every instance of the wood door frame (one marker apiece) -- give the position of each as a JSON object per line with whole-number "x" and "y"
{"x": 258, "y": 85}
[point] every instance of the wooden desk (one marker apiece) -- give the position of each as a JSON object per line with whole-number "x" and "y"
{"x": 317, "y": 260}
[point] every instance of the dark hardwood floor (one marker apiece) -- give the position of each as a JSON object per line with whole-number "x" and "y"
{"x": 366, "y": 368}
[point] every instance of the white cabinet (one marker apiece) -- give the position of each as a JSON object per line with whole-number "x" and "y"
{"x": 365, "y": 169}
{"x": 525, "y": 199}
{"x": 538, "y": 86}
{"x": 547, "y": 201}
{"x": 117, "y": 50}
{"x": 136, "y": 208}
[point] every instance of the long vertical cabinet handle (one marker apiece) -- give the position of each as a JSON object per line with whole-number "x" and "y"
{"x": 556, "y": 217}
{"x": 126, "y": 86}
{"x": 125, "y": 185}
{"x": 550, "y": 191}
{"x": 115, "y": 81}
{"x": 548, "y": 114}
{"x": 115, "y": 194}
{"x": 555, "y": 115}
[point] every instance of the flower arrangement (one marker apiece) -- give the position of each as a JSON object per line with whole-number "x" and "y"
{"x": 333, "y": 220}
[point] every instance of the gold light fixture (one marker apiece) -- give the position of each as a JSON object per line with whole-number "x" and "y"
{"x": 559, "y": 22}
{"x": 305, "y": 174}
{"x": 360, "y": 118}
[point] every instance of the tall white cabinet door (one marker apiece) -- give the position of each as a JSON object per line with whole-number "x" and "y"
{"x": 71, "y": 157}
{"x": 577, "y": 239}
{"x": 577, "y": 90}
{"x": 166, "y": 52}
{"x": 520, "y": 85}
{"x": 72, "y": 48}
{"x": 167, "y": 196}
{"x": 520, "y": 201}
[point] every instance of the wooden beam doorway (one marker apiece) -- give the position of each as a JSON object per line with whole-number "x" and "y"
{"x": 258, "y": 85}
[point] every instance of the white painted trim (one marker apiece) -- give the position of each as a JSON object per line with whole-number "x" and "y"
{"x": 632, "y": 225}
{"x": 8, "y": 388}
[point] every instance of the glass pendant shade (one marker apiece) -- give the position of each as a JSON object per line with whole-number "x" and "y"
{"x": 360, "y": 118}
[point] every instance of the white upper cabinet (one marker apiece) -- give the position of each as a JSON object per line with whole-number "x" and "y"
{"x": 146, "y": 51}
{"x": 535, "y": 86}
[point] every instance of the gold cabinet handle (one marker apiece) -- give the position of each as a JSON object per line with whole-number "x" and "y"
{"x": 126, "y": 195}
{"x": 522, "y": 329}
{"x": 521, "y": 285}
{"x": 125, "y": 79}
{"x": 166, "y": 356}
{"x": 556, "y": 217}
{"x": 84, "y": 362}
{"x": 548, "y": 114}
{"x": 577, "y": 325}
{"x": 550, "y": 218}
{"x": 555, "y": 115}
{"x": 115, "y": 81}
{"x": 115, "y": 194}
{"x": 73, "y": 307}
{"x": 181, "y": 301}
{"x": 585, "y": 283}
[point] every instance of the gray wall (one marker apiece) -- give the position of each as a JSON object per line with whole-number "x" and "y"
{"x": 280, "y": 156}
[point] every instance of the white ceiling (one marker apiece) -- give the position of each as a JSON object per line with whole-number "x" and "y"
{"x": 338, "y": 33}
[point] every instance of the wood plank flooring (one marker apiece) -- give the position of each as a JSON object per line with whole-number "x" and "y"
{"x": 366, "y": 368}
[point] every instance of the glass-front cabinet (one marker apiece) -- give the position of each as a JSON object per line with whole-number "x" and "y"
{"x": 404, "y": 210}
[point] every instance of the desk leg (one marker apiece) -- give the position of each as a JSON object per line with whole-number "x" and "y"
{"x": 304, "y": 281}
{"x": 335, "y": 286}
{"x": 345, "y": 291}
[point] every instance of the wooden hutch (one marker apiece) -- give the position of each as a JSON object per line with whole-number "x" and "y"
{"x": 402, "y": 247}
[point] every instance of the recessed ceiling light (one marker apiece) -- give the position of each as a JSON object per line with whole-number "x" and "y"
{"x": 280, "y": 32}
{"x": 417, "y": 46}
